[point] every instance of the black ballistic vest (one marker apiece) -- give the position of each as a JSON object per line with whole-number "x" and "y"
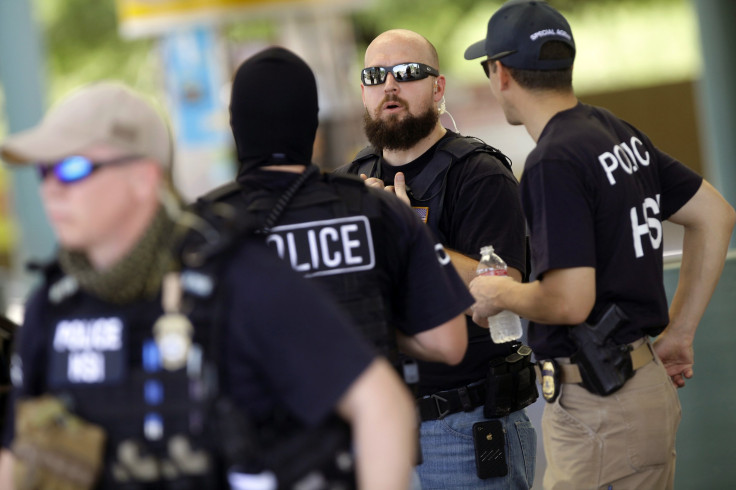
{"x": 158, "y": 423}
{"x": 327, "y": 233}
{"x": 427, "y": 190}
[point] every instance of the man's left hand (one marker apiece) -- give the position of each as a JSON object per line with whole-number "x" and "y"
{"x": 677, "y": 356}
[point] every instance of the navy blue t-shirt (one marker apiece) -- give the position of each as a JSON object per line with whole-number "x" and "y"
{"x": 595, "y": 191}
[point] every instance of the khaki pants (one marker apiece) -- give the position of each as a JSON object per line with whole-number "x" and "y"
{"x": 623, "y": 441}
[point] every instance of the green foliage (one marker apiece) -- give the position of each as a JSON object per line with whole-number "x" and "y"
{"x": 82, "y": 44}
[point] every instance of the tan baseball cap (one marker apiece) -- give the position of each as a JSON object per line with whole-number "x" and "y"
{"x": 103, "y": 113}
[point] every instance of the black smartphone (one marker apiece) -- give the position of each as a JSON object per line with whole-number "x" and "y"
{"x": 490, "y": 449}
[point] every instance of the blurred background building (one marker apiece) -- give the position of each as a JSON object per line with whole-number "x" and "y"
{"x": 667, "y": 66}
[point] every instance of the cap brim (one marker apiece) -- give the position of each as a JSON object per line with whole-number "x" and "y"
{"x": 40, "y": 144}
{"x": 476, "y": 50}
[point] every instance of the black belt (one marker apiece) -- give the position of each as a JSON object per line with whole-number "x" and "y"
{"x": 438, "y": 405}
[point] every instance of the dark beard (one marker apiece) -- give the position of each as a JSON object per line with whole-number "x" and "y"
{"x": 395, "y": 134}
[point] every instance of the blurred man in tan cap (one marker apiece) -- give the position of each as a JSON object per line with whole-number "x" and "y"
{"x": 126, "y": 339}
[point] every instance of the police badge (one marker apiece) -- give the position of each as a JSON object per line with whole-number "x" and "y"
{"x": 173, "y": 331}
{"x": 550, "y": 379}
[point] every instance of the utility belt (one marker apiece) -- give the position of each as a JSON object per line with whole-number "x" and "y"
{"x": 551, "y": 373}
{"x": 508, "y": 387}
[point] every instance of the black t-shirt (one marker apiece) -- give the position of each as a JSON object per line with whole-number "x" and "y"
{"x": 284, "y": 345}
{"x": 481, "y": 207}
{"x": 595, "y": 191}
{"x": 419, "y": 286}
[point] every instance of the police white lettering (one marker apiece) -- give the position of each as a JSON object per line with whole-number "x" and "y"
{"x": 99, "y": 334}
{"x": 624, "y": 157}
{"x": 293, "y": 255}
{"x": 642, "y": 160}
{"x": 313, "y": 248}
{"x": 608, "y": 157}
{"x": 86, "y": 367}
{"x": 336, "y": 259}
{"x": 350, "y": 245}
{"x": 650, "y": 225}
{"x": 279, "y": 242}
{"x": 325, "y": 247}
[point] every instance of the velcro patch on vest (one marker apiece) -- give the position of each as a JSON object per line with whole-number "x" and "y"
{"x": 320, "y": 248}
{"x": 87, "y": 351}
{"x": 422, "y": 212}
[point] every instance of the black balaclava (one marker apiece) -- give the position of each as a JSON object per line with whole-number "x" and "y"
{"x": 273, "y": 110}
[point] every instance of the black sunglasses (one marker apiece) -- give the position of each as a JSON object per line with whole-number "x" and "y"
{"x": 486, "y": 69}
{"x": 497, "y": 57}
{"x": 75, "y": 168}
{"x": 403, "y": 72}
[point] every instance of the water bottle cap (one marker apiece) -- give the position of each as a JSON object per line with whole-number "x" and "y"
{"x": 487, "y": 250}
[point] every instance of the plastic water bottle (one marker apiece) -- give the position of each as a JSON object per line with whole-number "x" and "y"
{"x": 506, "y": 325}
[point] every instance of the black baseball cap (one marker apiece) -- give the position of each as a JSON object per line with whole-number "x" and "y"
{"x": 517, "y": 32}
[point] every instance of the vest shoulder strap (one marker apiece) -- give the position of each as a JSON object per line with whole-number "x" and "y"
{"x": 462, "y": 146}
{"x": 365, "y": 162}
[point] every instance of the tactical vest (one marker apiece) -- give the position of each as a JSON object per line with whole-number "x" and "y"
{"x": 179, "y": 429}
{"x": 109, "y": 372}
{"x": 427, "y": 190}
{"x": 312, "y": 247}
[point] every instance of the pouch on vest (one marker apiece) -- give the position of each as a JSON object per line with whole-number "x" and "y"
{"x": 510, "y": 384}
{"x": 54, "y": 448}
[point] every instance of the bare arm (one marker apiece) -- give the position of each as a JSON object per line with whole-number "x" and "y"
{"x": 7, "y": 460}
{"x": 708, "y": 221}
{"x": 445, "y": 343}
{"x": 382, "y": 415}
{"x": 466, "y": 267}
{"x": 562, "y": 296}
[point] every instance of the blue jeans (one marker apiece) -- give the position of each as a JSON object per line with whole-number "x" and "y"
{"x": 449, "y": 456}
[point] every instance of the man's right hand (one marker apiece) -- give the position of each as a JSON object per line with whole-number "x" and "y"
{"x": 399, "y": 187}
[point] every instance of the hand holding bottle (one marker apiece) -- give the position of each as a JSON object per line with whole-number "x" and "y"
{"x": 506, "y": 325}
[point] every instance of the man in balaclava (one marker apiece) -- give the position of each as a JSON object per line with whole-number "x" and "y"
{"x": 273, "y": 110}
{"x": 365, "y": 246}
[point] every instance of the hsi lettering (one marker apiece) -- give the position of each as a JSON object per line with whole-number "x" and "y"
{"x": 87, "y": 350}
{"x": 86, "y": 367}
{"x": 626, "y": 156}
{"x": 650, "y": 225}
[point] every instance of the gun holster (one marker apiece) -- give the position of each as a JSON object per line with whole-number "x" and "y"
{"x": 604, "y": 365}
{"x": 510, "y": 384}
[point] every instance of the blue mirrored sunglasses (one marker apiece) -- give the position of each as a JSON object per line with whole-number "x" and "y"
{"x": 77, "y": 167}
{"x": 403, "y": 72}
